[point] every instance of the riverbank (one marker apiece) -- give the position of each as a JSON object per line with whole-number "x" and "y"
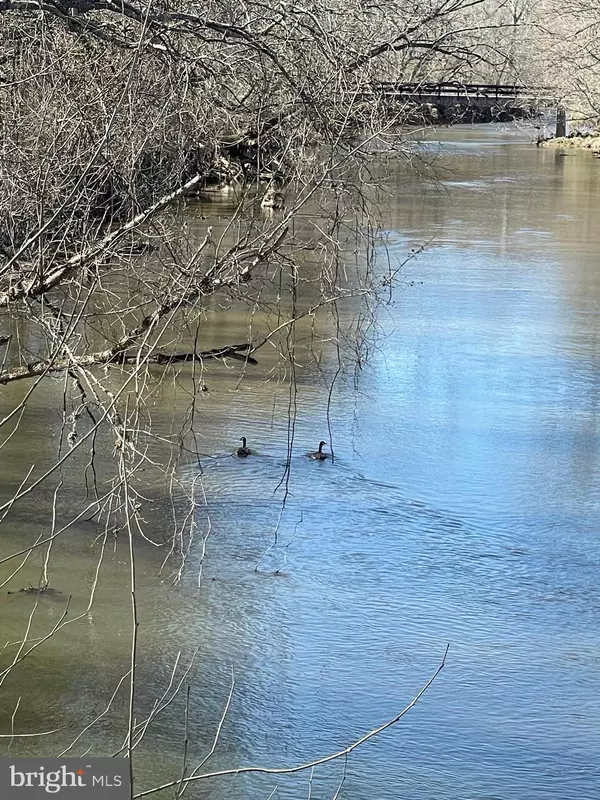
{"x": 587, "y": 141}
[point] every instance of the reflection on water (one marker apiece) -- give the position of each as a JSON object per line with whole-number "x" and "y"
{"x": 462, "y": 507}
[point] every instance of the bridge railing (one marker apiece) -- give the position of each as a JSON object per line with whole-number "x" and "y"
{"x": 454, "y": 88}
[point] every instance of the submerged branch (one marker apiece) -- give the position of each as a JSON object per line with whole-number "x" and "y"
{"x": 48, "y": 366}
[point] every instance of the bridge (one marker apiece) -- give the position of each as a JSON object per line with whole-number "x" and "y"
{"x": 484, "y": 99}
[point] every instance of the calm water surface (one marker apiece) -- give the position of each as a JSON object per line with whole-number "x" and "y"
{"x": 462, "y": 507}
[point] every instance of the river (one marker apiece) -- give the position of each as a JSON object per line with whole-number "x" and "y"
{"x": 462, "y": 508}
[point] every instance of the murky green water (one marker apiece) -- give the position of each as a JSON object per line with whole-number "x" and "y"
{"x": 462, "y": 508}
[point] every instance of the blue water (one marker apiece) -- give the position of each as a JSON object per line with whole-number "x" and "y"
{"x": 462, "y": 509}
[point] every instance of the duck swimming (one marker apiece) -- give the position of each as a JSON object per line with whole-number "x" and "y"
{"x": 243, "y": 450}
{"x": 319, "y": 455}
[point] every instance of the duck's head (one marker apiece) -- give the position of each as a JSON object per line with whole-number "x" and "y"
{"x": 243, "y": 441}
{"x": 321, "y": 445}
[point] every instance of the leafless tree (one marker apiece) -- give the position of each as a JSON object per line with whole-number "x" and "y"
{"x": 567, "y": 40}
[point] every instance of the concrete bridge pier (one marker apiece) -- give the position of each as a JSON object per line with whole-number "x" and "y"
{"x": 561, "y": 121}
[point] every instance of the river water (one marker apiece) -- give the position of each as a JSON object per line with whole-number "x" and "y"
{"x": 462, "y": 508}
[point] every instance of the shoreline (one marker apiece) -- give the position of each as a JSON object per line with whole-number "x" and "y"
{"x": 581, "y": 141}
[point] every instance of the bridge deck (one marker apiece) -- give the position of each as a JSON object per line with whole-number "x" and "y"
{"x": 456, "y": 89}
